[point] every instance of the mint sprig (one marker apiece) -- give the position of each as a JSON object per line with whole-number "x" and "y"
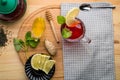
{"x": 29, "y": 41}
{"x": 18, "y": 44}
{"x": 66, "y": 33}
{"x": 61, "y": 19}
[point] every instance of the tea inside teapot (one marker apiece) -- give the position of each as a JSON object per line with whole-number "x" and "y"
{"x": 12, "y": 10}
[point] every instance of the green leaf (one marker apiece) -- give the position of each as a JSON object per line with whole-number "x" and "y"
{"x": 31, "y": 41}
{"x": 34, "y": 43}
{"x": 28, "y": 35}
{"x": 66, "y": 33}
{"x": 15, "y": 41}
{"x": 61, "y": 19}
{"x": 28, "y": 38}
{"x": 21, "y": 42}
{"x": 28, "y": 41}
{"x": 18, "y": 44}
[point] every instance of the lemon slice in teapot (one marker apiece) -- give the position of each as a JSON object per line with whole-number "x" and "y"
{"x": 38, "y": 27}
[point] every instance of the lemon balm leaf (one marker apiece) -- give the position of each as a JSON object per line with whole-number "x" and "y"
{"x": 61, "y": 19}
{"x": 66, "y": 33}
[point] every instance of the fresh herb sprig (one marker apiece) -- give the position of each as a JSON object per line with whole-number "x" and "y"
{"x": 29, "y": 41}
{"x": 61, "y": 19}
{"x": 66, "y": 33}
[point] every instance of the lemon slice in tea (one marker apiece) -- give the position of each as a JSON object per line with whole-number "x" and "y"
{"x": 70, "y": 16}
{"x": 35, "y": 60}
{"x": 48, "y": 66}
{"x": 38, "y": 27}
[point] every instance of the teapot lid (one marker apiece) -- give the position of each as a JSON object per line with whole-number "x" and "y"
{"x": 7, "y": 6}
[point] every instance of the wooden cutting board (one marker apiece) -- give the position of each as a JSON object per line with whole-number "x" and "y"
{"x": 48, "y": 34}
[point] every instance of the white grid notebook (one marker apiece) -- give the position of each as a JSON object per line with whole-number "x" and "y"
{"x": 94, "y": 61}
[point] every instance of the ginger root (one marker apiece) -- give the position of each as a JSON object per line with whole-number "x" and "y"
{"x": 50, "y": 47}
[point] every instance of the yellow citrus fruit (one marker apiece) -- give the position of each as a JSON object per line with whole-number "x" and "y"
{"x": 38, "y": 27}
{"x": 43, "y": 59}
{"x": 35, "y": 60}
{"x": 48, "y": 66}
{"x": 70, "y": 16}
{"x": 42, "y": 62}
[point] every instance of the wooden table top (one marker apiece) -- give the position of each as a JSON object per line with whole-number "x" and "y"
{"x": 11, "y": 67}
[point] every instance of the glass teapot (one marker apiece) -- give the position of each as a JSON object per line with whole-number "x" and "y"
{"x": 12, "y": 10}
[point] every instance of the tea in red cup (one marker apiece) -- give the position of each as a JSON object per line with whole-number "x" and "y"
{"x": 75, "y": 32}
{"x": 72, "y": 28}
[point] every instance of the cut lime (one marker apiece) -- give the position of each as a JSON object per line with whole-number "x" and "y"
{"x": 70, "y": 16}
{"x": 43, "y": 59}
{"x": 42, "y": 62}
{"x": 35, "y": 61}
{"x": 48, "y": 66}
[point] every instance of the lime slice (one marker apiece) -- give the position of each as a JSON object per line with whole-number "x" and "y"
{"x": 43, "y": 59}
{"x": 42, "y": 62}
{"x": 38, "y": 27}
{"x": 48, "y": 66}
{"x": 35, "y": 61}
{"x": 38, "y": 60}
{"x": 70, "y": 16}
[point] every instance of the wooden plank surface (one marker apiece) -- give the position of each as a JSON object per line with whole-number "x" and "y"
{"x": 11, "y": 67}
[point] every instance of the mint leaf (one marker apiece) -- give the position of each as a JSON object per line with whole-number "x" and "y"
{"x": 18, "y": 44}
{"x": 61, "y": 19}
{"x": 31, "y": 41}
{"x": 28, "y": 35}
{"x": 34, "y": 43}
{"x": 66, "y": 33}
